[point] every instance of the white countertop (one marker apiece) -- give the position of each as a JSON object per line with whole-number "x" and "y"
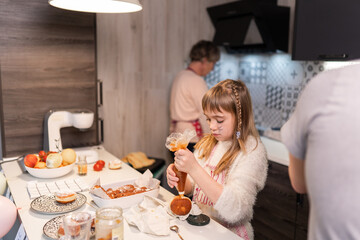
{"x": 33, "y": 222}
{"x": 276, "y": 151}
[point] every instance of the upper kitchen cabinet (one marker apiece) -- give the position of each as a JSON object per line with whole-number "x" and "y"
{"x": 326, "y": 30}
{"x": 250, "y": 26}
{"x": 47, "y": 62}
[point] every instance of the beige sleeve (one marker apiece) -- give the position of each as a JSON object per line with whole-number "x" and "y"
{"x": 198, "y": 91}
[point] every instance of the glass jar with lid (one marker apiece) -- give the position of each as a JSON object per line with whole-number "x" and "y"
{"x": 109, "y": 223}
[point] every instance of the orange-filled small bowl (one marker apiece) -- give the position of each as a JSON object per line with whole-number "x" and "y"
{"x": 180, "y": 205}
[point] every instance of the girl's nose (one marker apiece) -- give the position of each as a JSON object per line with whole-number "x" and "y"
{"x": 212, "y": 125}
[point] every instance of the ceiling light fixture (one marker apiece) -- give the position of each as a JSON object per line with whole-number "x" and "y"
{"x": 98, "y": 6}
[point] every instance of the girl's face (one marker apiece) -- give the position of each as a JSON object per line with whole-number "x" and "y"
{"x": 221, "y": 124}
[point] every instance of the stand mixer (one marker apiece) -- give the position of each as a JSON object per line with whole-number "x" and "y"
{"x": 55, "y": 120}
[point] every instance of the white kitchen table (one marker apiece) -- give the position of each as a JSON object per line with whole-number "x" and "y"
{"x": 33, "y": 222}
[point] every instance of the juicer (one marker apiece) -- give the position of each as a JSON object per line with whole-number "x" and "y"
{"x": 55, "y": 120}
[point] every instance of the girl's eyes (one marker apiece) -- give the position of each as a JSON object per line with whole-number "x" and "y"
{"x": 218, "y": 121}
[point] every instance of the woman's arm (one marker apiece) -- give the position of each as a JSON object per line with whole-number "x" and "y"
{"x": 297, "y": 174}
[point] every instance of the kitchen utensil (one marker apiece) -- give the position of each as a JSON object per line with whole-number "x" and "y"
{"x": 175, "y": 142}
{"x": 176, "y": 229}
{"x": 55, "y": 120}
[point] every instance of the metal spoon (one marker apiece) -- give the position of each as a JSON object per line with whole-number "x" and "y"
{"x": 176, "y": 229}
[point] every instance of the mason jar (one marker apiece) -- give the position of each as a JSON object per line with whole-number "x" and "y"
{"x": 109, "y": 224}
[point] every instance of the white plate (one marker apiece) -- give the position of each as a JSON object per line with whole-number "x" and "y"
{"x": 47, "y": 204}
{"x": 50, "y": 172}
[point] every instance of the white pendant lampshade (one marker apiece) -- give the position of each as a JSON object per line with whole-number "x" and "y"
{"x": 98, "y": 6}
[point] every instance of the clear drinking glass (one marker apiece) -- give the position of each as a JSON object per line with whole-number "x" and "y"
{"x": 77, "y": 226}
{"x": 82, "y": 165}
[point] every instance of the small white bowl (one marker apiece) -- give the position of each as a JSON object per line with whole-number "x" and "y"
{"x": 50, "y": 172}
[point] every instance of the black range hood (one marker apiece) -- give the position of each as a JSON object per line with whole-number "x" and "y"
{"x": 248, "y": 26}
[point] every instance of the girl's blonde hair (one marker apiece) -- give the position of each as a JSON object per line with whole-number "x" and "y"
{"x": 233, "y": 97}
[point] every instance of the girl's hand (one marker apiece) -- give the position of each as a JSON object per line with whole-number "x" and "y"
{"x": 185, "y": 160}
{"x": 172, "y": 180}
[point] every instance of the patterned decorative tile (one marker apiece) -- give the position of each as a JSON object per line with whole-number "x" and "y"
{"x": 257, "y": 93}
{"x": 311, "y": 69}
{"x": 274, "y": 81}
{"x": 258, "y": 114}
{"x": 214, "y": 76}
{"x": 229, "y": 70}
{"x": 244, "y": 71}
{"x": 271, "y": 118}
{"x": 274, "y": 96}
{"x": 290, "y": 97}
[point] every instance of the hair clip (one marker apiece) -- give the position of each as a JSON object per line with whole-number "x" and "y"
{"x": 237, "y": 134}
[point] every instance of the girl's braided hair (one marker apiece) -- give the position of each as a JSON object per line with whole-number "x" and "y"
{"x": 233, "y": 97}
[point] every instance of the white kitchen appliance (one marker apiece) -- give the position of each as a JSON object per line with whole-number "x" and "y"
{"x": 55, "y": 120}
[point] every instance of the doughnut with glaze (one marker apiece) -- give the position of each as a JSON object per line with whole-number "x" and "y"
{"x": 65, "y": 196}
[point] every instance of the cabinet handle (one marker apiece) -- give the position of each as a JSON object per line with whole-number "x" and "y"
{"x": 101, "y": 129}
{"x": 333, "y": 56}
{"x": 100, "y": 92}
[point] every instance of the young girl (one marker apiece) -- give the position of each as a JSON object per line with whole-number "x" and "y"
{"x": 229, "y": 166}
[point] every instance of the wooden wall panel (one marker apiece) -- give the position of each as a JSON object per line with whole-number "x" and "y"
{"x": 47, "y": 58}
{"x": 139, "y": 54}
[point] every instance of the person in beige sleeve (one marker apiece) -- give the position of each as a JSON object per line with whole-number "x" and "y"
{"x": 187, "y": 91}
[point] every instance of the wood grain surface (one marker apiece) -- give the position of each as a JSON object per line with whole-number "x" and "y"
{"x": 139, "y": 55}
{"x": 275, "y": 209}
{"x": 47, "y": 58}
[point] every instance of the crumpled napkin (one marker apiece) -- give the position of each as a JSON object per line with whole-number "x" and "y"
{"x": 153, "y": 216}
{"x": 150, "y": 216}
{"x": 147, "y": 180}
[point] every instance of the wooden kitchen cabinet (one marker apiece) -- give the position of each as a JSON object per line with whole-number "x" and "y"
{"x": 279, "y": 212}
{"x": 47, "y": 62}
{"x": 302, "y": 217}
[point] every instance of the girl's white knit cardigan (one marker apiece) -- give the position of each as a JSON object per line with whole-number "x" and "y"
{"x": 245, "y": 178}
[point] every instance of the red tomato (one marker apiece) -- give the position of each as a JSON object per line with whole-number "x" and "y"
{"x": 42, "y": 156}
{"x": 97, "y": 167}
{"x": 101, "y": 163}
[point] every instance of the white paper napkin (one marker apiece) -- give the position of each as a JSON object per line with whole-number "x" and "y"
{"x": 150, "y": 216}
{"x": 147, "y": 180}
